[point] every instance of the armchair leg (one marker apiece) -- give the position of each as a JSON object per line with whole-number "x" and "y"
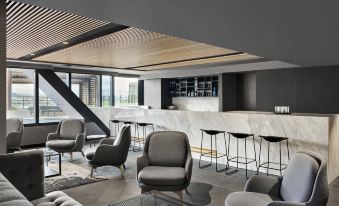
{"x": 92, "y": 171}
{"x": 122, "y": 170}
{"x": 82, "y": 153}
{"x": 124, "y": 166}
{"x": 71, "y": 154}
{"x": 180, "y": 194}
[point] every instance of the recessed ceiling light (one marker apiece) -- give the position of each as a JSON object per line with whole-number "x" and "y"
{"x": 32, "y": 54}
{"x": 65, "y": 42}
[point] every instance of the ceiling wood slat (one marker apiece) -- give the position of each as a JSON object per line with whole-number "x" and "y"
{"x": 31, "y": 29}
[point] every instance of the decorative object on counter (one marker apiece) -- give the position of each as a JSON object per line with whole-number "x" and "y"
{"x": 282, "y": 110}
{"x": 172, "y": 107}
{"x": 203, "y": 86}
{"x": 273, "y": 139}
{"x": 212, "y": 153}
{"x": 237, "y": 157}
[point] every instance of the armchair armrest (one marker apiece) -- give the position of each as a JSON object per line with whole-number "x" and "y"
{"x": 79, "y": 141}
{"x": 13, "y": 139}
{"x": 107, "y": 155}
{"x": 188, "y": 167}
{"x": 264, "y": 184}
{"x": 281, "y": 203}
{"x": 53, "y": 136}
{"x": 25, "y": 170}
{"x": 108, "y": 141}
{"x": 142, "y": 162}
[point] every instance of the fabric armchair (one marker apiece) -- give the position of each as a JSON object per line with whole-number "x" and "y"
{"x": 303, "y": 184}
{"x": 111, "y": 152}
{"x": 69, "y": 137}
{"x": 166, "y": 163}
{"x": 14, "y": 133}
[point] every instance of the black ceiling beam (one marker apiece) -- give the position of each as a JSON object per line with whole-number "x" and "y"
{"x": 96, "y": 33}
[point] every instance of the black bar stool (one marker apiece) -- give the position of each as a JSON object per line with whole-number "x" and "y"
{"x": 116, "y": 124}
{"x": 273, "y": 139}
{"x": 247, "y": 160}
{"x": 210, "y": 152}
{"x": 141, "y": 139}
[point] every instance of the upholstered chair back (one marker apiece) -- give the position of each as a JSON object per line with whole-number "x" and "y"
{"x": 305, "y": 180}
{"x": 123, "y": 135}
{"x": 70, "y": 128}
{"x": 13, "y": 125}
{"x": 167, "y": 148}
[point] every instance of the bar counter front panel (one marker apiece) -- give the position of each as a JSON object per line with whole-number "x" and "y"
{"x": 317, "y": 133}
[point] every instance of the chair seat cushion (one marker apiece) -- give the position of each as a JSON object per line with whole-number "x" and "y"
{"x": 159, "y": 176}
{"x": 60, "y": 144}
{"x": 56, "y": 198}
{"x": 249, "y": 198}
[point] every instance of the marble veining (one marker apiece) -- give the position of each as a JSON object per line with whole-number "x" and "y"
{"x": 208, "y": 104}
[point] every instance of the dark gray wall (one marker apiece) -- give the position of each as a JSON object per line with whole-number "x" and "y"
{"x": 305, "y": 90}
{"x": 247, "y": 91}
{"x": 228, "y": 92}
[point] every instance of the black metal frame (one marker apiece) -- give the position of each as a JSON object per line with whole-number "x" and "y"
{"x": 281, "y": 166}
{"x": 247, "y": 160}
{"x": 210, "y": 154}
{"x": 47, "y": 158}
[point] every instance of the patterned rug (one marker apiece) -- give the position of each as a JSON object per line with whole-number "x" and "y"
{"x": 72, "y": 175}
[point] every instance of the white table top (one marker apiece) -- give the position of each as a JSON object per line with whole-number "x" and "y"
{"x": 96, "y": 136}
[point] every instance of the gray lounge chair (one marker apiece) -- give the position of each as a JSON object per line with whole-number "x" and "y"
{"x": 303, "y": 184}
{"x": 69, "y": 137}
{"x": 111, "y": 151}
{"x": 14, "y": 132}
{"x": 166, "y": 164}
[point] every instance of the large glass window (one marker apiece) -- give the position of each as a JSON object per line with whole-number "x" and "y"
{"x": 21, "y": 94}
{"x": 106, "y": 86}
{"x": 87, "y": 88}
{"x": 125, "y": 91}
{"x": 64, "y": 77}
{"x": 49, "y": 111}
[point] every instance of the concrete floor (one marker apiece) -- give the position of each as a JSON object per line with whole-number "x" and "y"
{"x": 207, "y": 187}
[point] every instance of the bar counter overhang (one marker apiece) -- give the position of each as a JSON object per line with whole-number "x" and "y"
{"x": 315, "y": 132}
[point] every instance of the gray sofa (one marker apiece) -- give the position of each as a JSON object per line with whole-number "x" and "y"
{"x": 69, "y": 137}
{"x": 166, "y": 164}
{"x": 22, "y": 182}
{"x": 14, "y": 132}
{"x": 111, "y": 151}
{"x": 303, "y": 184}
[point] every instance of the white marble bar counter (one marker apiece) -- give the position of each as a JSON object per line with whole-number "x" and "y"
{"x": 318, "y": 133}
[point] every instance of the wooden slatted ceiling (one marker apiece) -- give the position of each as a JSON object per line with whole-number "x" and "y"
{"x": 32, "y": 28}
{"x": 134, "y": 48}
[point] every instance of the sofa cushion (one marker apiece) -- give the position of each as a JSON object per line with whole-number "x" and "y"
{"x": 167, "y": 148}
{"x": 299, "y": 179}
{"x": 9, "y": 195}
{"x": 56, "y": 198}
{"x": 248, "y": 198}
{"x": 158, "y": 176}
{"x": 60, "y": 144}
{"x": 70, "y": 128}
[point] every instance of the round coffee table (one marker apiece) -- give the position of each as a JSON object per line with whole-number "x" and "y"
{"x": 93, "y": 138}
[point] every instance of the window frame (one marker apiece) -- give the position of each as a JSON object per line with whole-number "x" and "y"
{"x": 36, "y": 92}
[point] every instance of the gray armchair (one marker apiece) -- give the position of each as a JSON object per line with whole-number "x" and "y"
{"x": 14, "y": 132}
{"x": 166, "y": 164}
{"x": 111, "y": 152}
{"x": 303, "y": 184}
{"x": 69, "y": 137}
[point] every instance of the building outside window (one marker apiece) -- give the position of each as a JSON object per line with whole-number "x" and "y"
{"x": 125, "y": 91}
{"x": 64, "y": 77}
{"x": 21, "y": 94}
{"x": 87, "y": 88}
{"x": 106, "y": 86}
